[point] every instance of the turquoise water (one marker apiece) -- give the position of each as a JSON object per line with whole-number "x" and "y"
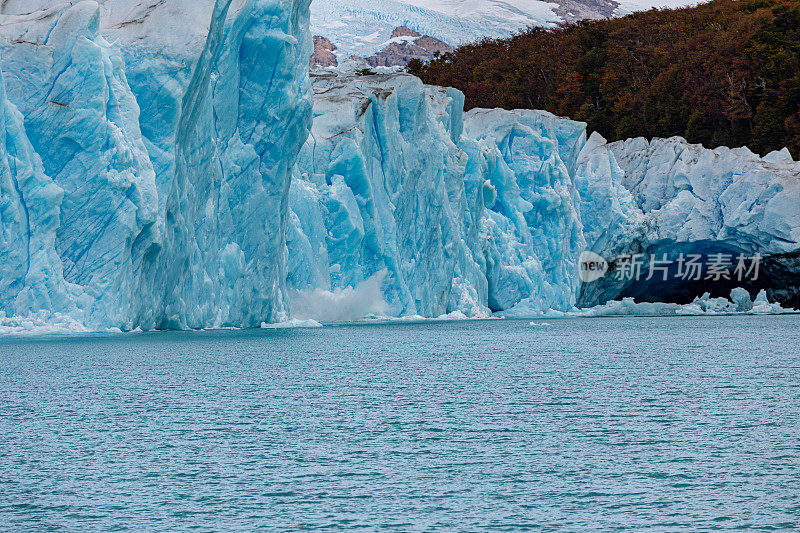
{"x": 666, "y": 424}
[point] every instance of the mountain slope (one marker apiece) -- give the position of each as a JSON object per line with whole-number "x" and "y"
{"x": 364, "y": 27}
{"x": 725, "y": 73}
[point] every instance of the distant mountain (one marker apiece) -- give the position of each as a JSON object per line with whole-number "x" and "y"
{"x": 365, "y": 27}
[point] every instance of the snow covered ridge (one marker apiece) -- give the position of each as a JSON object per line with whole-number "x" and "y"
{"x": 146, "y": 158}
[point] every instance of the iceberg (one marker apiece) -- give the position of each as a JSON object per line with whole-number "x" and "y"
{"x": 739, "y": 303}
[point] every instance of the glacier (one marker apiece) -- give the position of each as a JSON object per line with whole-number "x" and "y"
{"x": 489, "y": 211}
{"x": 153, "y": 153}
{"x": 685, "y": 199}
{"x": 381, "y": 186}
{"x": 174, "y": 165}
{"x": 362, "y": 27}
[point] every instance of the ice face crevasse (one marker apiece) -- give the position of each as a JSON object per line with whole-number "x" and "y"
{"x": 31, "y": 279}
{"x": 82, "y": 120}
{"x": 175, "y": 216}
{"x": 381, "y": 188}
{"x": 244, "y": 114}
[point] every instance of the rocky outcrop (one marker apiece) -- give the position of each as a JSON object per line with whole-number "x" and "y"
{"x": 572, "y": 11}
{"x": 324, "y": 56}
{"x": 407, "y": 45}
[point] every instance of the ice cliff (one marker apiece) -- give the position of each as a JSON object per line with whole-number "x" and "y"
{"x": 149, "y": 177}
{"x": 688, "y": 200}
{"x": 381, "y": 187}
{"x": 491, "y": 210}
{"x": 159, "y": 169}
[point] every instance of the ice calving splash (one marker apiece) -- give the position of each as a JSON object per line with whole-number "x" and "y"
{"x": 348, "y": 304}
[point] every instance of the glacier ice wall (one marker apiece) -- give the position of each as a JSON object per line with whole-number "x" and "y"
{"x": 156, "y": 171}
{"x": 82, "y": 119}
{"x": 244, "y": 114}
{"x": 31, "y": 274}
{"x": 164, "y": 135}
{"x": 466, "y": 213}
{"x": 685, "y": 199}
{"x": 723, "y": 195}
{"x": 533, "y": 226}
{"x": 381, "y": 187}
{"x": 491, "y": 210}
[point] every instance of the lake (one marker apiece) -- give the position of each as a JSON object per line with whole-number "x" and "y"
{"x": 580, "y": 424}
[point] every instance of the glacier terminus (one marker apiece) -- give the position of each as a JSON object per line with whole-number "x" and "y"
{"x": 175, "y": 165}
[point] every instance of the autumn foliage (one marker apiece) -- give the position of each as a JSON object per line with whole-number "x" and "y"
{"x": 722, "y": 73}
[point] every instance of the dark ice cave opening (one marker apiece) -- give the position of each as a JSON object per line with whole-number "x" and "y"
{"x": 779, "y": 275}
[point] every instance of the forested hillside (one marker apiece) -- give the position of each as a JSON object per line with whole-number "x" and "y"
{"x": 722, "y": 73}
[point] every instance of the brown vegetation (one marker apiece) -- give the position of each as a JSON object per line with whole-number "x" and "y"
{"x": 722, "y": 73}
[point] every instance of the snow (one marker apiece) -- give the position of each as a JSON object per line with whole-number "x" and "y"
{"x": 631, "y": 6}
{"x": 362, "y": 27}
